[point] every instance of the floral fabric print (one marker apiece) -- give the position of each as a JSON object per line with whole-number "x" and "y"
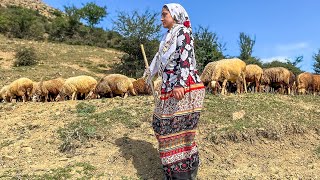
{"x": 180, "y": 71}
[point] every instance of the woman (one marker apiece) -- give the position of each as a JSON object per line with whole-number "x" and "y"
{"x": 177, "y": 108}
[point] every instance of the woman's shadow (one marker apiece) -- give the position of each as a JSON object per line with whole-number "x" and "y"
{"x": 145, "y": 157}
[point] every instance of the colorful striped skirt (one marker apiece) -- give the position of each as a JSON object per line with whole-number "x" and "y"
{"x": 174, "y": 123}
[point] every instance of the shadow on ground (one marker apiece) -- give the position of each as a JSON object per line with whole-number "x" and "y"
{"x": 145, "y": 157}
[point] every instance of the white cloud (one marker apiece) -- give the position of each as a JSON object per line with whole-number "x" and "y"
{"x": 289, "y": 48}
{"x": 278, "y": 58}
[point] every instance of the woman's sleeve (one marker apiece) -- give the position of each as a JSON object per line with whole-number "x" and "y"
{"x": 185, "y": 46}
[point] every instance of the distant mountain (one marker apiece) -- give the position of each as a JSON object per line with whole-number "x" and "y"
{"x": 38, "y": 5}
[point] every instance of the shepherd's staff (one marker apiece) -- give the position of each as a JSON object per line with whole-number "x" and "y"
{"x": 147, "y": 66}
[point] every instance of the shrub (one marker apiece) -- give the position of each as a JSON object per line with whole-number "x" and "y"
{"x": 26, "y": 57}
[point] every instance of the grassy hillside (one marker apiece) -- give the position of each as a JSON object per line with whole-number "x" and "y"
{"x": 55, "y": 60}
{"x": 251, "y": 136}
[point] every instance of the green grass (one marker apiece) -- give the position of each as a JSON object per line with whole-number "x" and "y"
{"x": 261, "y": 111}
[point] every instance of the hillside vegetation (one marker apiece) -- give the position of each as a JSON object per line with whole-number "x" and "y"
{"x": 248, "y": 136}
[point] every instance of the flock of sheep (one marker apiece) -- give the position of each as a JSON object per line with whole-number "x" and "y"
{"x": 220, "y": 76}
{"x": 235, "y": 72}
{"x": 73, "y": 88}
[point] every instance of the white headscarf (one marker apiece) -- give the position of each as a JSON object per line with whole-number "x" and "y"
{"x": 168, "y": 43}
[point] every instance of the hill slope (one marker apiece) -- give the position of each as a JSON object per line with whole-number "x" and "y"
{"x": 37, "y": 5}
{"x": 251, "y": 136}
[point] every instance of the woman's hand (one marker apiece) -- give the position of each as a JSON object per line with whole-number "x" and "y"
{"x": 178, "y": 93}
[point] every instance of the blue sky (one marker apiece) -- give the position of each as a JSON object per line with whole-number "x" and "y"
{"x": 283, "y": 28}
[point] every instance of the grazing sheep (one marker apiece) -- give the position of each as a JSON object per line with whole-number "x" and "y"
{"x": 132, "y": 79}
{"x": 225, "y": 70}
{"x": 253, "y": 75}
{"x": 141, "y": 87}
{"x": 75, "y": 85}
{"x": 305, "y": 83}
{"x": 316, "y": 84}
{"x": 292, "y": 83}
{"x": 206, "y": 77}
{"x": 4, "y": 93}
{"x": 115, "y": 84}
{"x": 49, "y": 90}
{"x": 103, "y": 89}
{"x": 21, "y": 87}
{"x": 276, "y": 77}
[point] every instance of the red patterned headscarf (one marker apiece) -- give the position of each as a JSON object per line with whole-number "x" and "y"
{"x": 179, "y": 14}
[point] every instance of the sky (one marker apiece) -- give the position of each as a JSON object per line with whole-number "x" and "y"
{"x": 284, "y": 29}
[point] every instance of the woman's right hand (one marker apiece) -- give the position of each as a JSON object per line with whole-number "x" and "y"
{"x": 178, "y": 93}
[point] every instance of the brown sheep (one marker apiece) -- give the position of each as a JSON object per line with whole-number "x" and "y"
{"x": 103, "y": 89}
{"x": 305, "y": 83}
{"x": 115, "y": 84}
{"x": 276, "y": 77}
{"x": 316, "y": 84}
{"x": 21, "y": 87}
{"x": 253, "y": 75}
{"x": 47, "y": 89}
{"x": 141, "y": 87}
{"x": 4, "y": 94}
{"x": 206, "y": 77}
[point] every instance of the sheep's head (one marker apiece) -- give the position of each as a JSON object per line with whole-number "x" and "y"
{"x": 35, "y": 92}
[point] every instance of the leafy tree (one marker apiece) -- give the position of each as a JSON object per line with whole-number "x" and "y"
{"x": 316, "y": 65}
{"x": 137, "y": 29}
{"x": 246, "y": 44}
{"x": 207, "y": 47}
{"x": 92, "y": 13}
{"x": 73, "y": 19}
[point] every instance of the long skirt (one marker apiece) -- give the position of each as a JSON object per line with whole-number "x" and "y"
{"x": 174, "y": 123}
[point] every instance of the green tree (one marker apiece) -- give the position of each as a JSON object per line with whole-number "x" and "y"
{"x": 246, "y": 44}
{"x": 92, "y": 13}
{"x": 73, "y": 20}
{"x": 137, "y": 29}
{"x": 207, "y": 47}
{"x": 316, "y": 65}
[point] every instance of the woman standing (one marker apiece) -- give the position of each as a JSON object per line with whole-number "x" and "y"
{"x": 178, "y": 105}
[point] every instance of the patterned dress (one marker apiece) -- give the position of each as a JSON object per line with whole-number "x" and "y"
{"x": 175, "y": 121}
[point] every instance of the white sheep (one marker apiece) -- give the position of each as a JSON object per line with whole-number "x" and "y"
{"x": 79, "y": 84}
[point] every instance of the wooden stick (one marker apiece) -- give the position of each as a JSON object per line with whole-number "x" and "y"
{"x": 144, "y": 56}
{"x": 147, "y": 66}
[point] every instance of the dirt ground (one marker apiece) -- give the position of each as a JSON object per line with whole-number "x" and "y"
{"x": 29, "y": 145}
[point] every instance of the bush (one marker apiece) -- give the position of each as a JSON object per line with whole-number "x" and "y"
{"x": 26, "y": 57}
